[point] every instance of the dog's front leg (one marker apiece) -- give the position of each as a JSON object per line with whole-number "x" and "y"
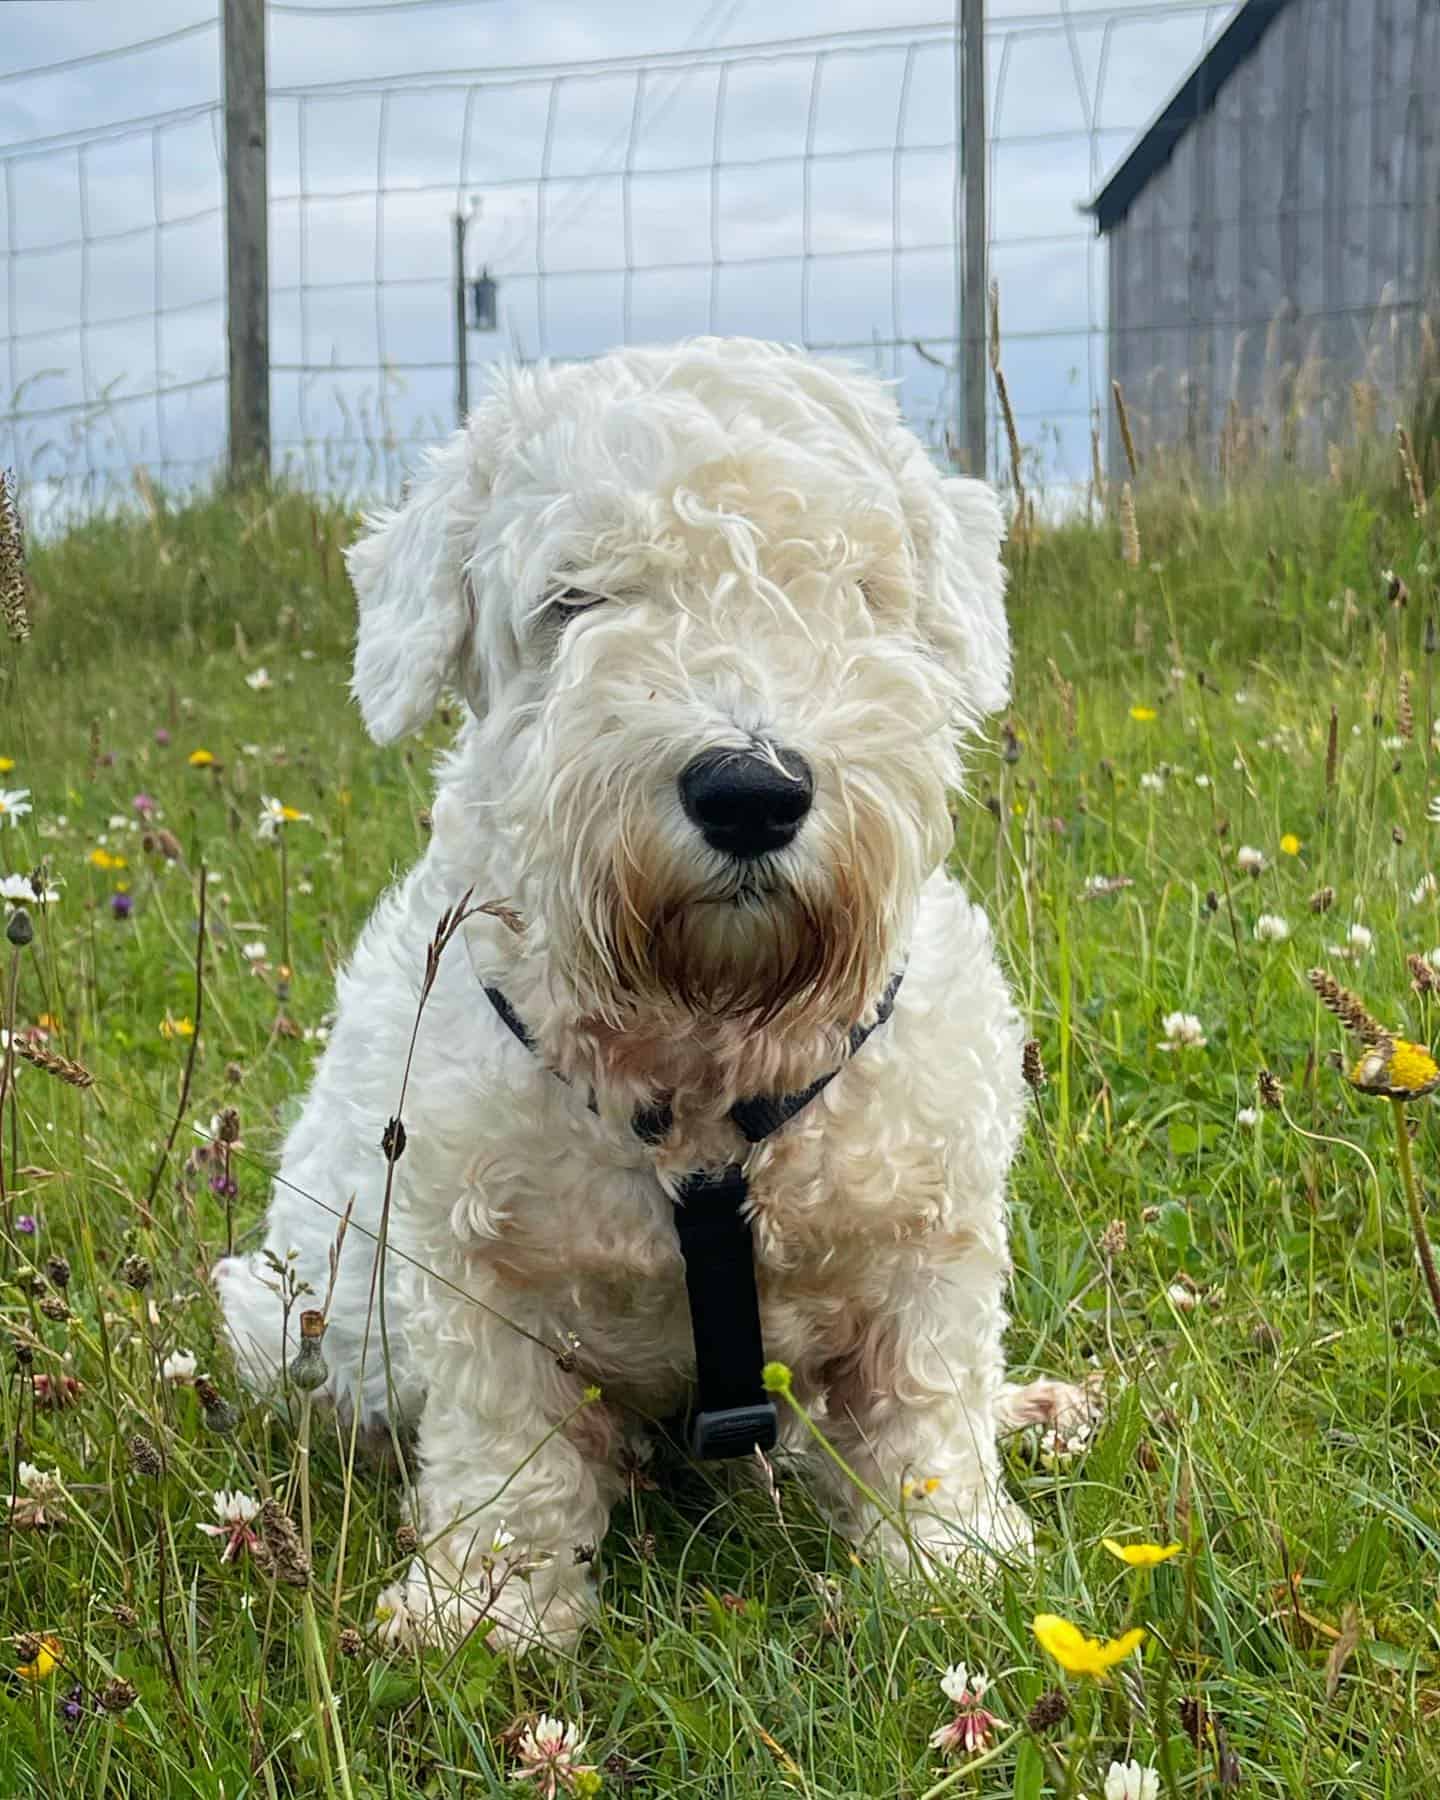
{"x": 517, "y": 1475}
{"x": 913, "y": 1411}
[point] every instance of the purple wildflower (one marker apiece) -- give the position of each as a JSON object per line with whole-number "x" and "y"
{"x": 26, "y": 1223}
{"x": 72, "y": 1707}
{"x": 224, "y": 1185}
{"x": 162, "y": 736}
{"x": 121, "y": 905}
{"x": 144, "y": 804}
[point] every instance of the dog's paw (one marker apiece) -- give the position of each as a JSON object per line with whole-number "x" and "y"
{"x": 512, "y": 1613}
{"x": 1061, "y": 1406}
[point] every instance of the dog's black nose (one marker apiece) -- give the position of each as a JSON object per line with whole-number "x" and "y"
{"x": 742, "y": 803}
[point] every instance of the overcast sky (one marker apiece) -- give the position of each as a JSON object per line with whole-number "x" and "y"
{"x": 382, "y": 121}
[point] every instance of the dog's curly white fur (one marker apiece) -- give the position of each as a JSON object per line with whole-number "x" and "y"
{"x": 779, "y": 567}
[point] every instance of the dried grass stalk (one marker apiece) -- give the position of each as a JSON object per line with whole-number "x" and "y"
{"x": 1419, "y": 504}
{"x": 1129, "y": 528}
{"x": 1127, "y": 437}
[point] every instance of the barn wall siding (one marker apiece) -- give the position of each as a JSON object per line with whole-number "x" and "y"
{"x": 1291, "y": 246}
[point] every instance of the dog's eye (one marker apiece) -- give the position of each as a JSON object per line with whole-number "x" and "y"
{"x": 570, "y": 602}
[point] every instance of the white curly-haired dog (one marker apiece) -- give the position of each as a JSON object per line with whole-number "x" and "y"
{"x": 721, "y": 625}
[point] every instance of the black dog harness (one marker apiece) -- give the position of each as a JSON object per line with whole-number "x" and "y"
{"x": 733, "y": 1415}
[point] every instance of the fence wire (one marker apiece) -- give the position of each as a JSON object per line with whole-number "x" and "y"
{"x": 802, "y": 186}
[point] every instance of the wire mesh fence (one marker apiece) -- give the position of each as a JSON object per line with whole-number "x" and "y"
{"x": 800, "y": 183}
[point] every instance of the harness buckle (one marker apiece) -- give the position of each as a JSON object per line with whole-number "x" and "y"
{"x": 734, "y": 1431}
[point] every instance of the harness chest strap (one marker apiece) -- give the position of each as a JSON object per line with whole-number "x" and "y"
{"x": 733, "y": 1415}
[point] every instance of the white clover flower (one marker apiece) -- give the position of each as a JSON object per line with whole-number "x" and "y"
{"x": 1184, "y": 1299}
{"x": 231, "y": 1507}
{"x": 1422, "y": 889}
{"x": 1182, "y": 1031}
{"x": 255, "y": 951}
{"x": 43, "y": 1485}
{"x": 1249, "y": 860}
{"x": 1432, "y": 811}
{"x": 547, "y": 1753}
{"x": 1392, "y": 745}
{"x": 258, "y": 680}
{"x": 1270, "y": 928}
{"x": 1247, "y": 1118}
{"x": 179, "y": 1367}
{"x": 1202, "y": 781}
{"x": 1128, "y": 1781}
{"x": 1152, "y": 782}
{"x": 1359, "y": 938}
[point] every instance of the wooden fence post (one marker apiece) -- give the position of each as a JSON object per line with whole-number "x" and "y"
{"x": 247, "y": 259}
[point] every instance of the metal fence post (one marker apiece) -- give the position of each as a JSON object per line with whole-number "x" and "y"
{"x": 974, "y": 299}
{"x": 247, "y": 260}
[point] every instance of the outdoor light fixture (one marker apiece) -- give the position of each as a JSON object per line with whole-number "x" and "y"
{"x": 484, "y": 302}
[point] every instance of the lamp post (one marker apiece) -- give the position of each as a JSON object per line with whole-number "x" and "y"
{"x": 477, "y": 308}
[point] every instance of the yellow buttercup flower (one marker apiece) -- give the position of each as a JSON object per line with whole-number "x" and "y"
{"x": 7, "y": 763}
{"x": 1290, "y": 844}
{"x": 200, "y": 759}
{"x": 1396, "y": 1069}
{"x": 101, "y": 858}
{"x": 173, "y": 1028}
{"x": 1143, "y": 714}
{"x": 48, "y": 1651}
{"x": 1078, "y": 1654}
{"x": 1142, "y": 1556}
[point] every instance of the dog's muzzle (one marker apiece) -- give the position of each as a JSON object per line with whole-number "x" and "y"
{"x": 742, "y": 803}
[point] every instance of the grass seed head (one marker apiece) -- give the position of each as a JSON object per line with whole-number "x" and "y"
{"x": 1349, "y": 1008}
{"x": 145, "y": 1457}
{"x": 118, "y": 1695}
{"x": 73, "y": 1074}
{"x": 1032, "y": 1065}
{"x": 1050, "y": 1710}
{"x": 13, "y": 608}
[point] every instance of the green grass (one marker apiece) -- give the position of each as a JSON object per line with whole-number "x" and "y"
{"x": 1285, "y": 1429}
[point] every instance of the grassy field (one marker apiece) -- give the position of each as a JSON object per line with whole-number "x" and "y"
{"x": 1261, "y": 1323}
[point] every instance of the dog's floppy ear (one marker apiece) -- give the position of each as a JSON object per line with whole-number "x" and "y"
{"x": 416, "y": 609}
{"x": 962, "y": 611}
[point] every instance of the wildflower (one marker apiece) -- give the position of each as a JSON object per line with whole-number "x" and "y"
{"x": 25, "y": 1224}
{"x": 235, "y": 1512}
{"x": 258, "y": 680}
{"x": 1113, "y": 1240}
{"x": 162, "y": 736}
{"x": 1032, "y": 1065}
{"x": 1182, "y": 1031}
{"x": 101, "y": 858}
{"x": 27, "y": 890}
{"x": 118, "y": 1695}
{"x": 254, "y": 952}
{"x": 1249, "y": 860}
{"x": 144, "y": 804}
{"x": 1152, "y": 782}
{"x": 547, "y": 1754}
{"x": 173, "y": 1028}
{"x": 1182, "y": 1298}
{"x": 1142, "y": 1556}
{"x": 179, "y": 1367}
{"x": 1078, "y": 1654}
{"x": 1359, "y": 938}
{"x": 42, "y": 1657}
{"x": 1396, "y": 1069}
{"x": 1202, "y": 781}
{"x": 40, "y": 1502}
{"x": 1128, "y": 1781}
{"x": 1142, "y": 715}
{"x": 274, "y": 815}
{"x": 14, "y": 804}
{"x": 1247, "y": 1118}
{"x": 145, "y": 1457}
{"x": 1098, "y": 886}
{"x": 1290, "y": 844}
{"x": 1059, "y": 1447}
{"x": 200, "y": 759}
{"x": 972, "y": 1724}
{"x": 1423, "y": 889}
{"x": 7, "y": 763}
{"x": 122, "y": 904}
{"x": 1270, "y": 928}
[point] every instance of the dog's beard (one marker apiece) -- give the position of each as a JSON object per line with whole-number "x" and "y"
{"x": 778, "y": 941}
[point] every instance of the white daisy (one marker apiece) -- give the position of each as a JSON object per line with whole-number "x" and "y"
{"x": 18, "y": 891}
{"x": 258, "y": 680}
{"x": 14, "y": 804}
